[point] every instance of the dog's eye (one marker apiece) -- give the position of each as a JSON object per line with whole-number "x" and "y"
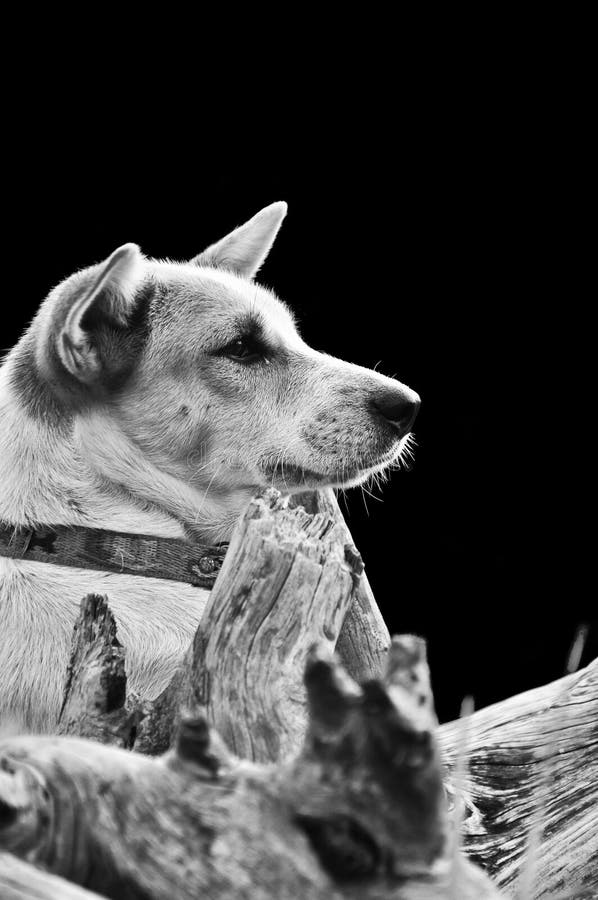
{"x": 246, "y": 349}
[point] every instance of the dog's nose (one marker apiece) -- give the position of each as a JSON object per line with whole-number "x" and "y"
{"x": 398, "y": 408}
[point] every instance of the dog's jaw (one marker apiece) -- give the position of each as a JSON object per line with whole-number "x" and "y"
{"x": 289, "y": 477}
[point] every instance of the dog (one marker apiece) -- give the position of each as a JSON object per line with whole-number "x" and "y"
{"x": 156, "y": 397}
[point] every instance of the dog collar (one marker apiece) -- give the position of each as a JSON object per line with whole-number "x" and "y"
{"x": 114, "y": 551}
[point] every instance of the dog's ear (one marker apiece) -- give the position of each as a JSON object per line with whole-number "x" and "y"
{"x": 244, "y": 250}
{"x": 102, "y": 294}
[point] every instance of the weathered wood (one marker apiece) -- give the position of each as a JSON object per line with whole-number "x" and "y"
{"x": 368, "y": 785}
{"x": 287, "y": 581}
{"x": 360, "y": 812}
{"x": 266, "y": 593}
{"x": 535, "y": 753}
{"x": 21, "y": 881}
{"x": 511, "y": 747}
{"x": 364, "y": 639}
{"x": 290, "y": 578}
{"x": 95, "y": 702}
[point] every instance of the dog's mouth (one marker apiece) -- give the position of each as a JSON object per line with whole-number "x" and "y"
{"x": 287, "y": 475}
{"x": 291, "y": 475}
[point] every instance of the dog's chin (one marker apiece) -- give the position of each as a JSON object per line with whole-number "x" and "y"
{"x": 298, "y": 478}
{"x": 290, "y": 477}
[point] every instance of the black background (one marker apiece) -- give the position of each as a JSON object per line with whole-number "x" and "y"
{"x": 425, "y": 246}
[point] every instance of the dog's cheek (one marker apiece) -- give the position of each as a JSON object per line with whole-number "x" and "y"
{"x": 330, "y": 434}
{"x": 226, "y": 382}
{"x": 194, "y": 440}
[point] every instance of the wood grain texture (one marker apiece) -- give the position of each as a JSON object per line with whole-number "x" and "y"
{"x": 360, "y": 812}
{"x": 288, "y": 579}
{"x": 535, "y": 755}
{"x": 291, "y": 579}
{"x": 96, "y": 704}
{"x": 364, "y": 639}
{"x": 20, "y": 880}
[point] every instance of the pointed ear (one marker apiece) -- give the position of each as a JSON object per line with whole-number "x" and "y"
{"x": 103, "y": 294}
{"x": 244, "y": 250}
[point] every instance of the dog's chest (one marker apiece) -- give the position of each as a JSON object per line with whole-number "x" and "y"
{"x": 39, "y": 603}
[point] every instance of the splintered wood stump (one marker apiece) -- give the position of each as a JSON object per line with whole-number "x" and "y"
{"x": 533, "y": 768}
{"x": 95, "y": 703}
{"x": 288, "y": 580}
{"x": 360, "y": 812}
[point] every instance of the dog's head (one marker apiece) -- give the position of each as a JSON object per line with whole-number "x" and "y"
{"x": 205, "y": 372}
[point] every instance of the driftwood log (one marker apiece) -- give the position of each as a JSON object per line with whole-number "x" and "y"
{"x": 244, "y": 667}
{"x": 20, "y": 880}
{"x": 516, "y": 750}
{"x": 533, "y": 766}
{"x": 360, "y": 812}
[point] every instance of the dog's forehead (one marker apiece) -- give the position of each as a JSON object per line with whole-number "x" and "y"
{"x": 193, "y": 291}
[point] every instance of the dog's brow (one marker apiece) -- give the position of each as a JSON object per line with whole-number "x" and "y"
{"x": 252, "y": 323}
{"x": 255, "y": 326}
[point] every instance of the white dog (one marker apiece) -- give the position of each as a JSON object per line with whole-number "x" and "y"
{"x": 155, "y": 397}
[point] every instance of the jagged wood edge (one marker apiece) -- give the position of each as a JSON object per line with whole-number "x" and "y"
{"x": 360, "y": 807}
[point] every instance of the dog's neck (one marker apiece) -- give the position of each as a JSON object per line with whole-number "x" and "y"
{"x": 86, "y": 471}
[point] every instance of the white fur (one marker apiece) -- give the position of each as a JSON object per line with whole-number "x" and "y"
{"x": 156, "y": 620}
{"x": 177, "y": 446}
{"x": 245, "y": 249}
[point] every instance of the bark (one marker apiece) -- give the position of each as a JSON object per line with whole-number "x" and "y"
{"x": 533, "y": 767}
{"x": 360, "y": 812}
